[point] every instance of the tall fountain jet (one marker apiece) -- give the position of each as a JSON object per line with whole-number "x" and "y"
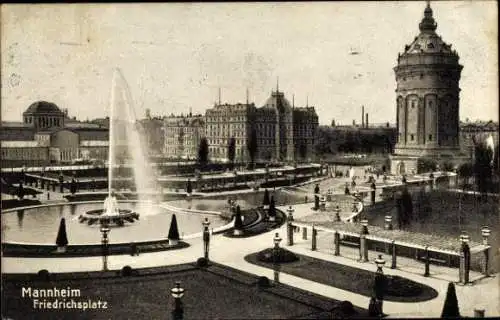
{"x": 126, "y": 144}
{"x": 128, "y": 166}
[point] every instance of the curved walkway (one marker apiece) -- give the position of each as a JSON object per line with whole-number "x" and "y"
{"x": 231, "y": 252}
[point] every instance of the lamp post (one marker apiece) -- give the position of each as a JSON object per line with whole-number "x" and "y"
{"x": 322, "y": 203}
{"x": 380, "y": 284}
{"x": 23, "y": 174}
{"x": 206, "y": 237}
{"x": 276, "y": 241}
{"x": 485, "y": 232}
{"x": 337, "y": 213}
{"x": 105, "y": 241}
{"x": 363, "y": 245}
{"x": 464, "y": 259}
{"x": 177, "y": 293}
{"x": 364, "y": 228}
{"x": 380, "y": 262}
{"x": 388, "y": 222}
{"x": 290, "y": 213}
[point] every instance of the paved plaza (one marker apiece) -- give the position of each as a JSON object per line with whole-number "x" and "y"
{"x": 231, "y": 252}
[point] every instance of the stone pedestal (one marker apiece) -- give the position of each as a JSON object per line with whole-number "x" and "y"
{"x": 363, "y": 248}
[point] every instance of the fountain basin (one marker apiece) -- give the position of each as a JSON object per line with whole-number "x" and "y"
{"x": 100, "y": 216}
{"x": 39, "y": 225}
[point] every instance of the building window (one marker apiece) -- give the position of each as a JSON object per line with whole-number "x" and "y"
{"x": 412, "y": 137}
{"x": 430, "y": 137}
{"x": 413, "y": 104}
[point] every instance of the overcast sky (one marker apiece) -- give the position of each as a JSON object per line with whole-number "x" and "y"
{"x": 176, "y": 56}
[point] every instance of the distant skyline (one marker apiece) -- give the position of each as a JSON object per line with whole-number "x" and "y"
{"x": 175, "y": 56}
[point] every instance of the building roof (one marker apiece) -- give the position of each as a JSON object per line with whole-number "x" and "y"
{"x": 19, "y": 144}
{"x": 72, "y": 125}
{"x": 43, "y": 107}
{"x": 277, "y": 100}
{"x": 16, "y": 124}
{"x": 428, "y": 41}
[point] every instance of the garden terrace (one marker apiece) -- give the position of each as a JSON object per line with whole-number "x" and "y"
{"x": 442, "y": 250}
{"x": 237, "y": 295}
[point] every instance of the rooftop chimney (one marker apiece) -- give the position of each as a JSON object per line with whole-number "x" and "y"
{"x": 362, "y": 116}
{"x": 366, "y": 121}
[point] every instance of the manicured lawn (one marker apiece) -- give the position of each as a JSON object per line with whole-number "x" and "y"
{"x": 351, "y": 279}
{"x": 212, "y": 293}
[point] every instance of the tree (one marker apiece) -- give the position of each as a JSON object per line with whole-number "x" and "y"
{"x": 496, "y": 163}
{"x": 447, "y": 166}
{"x": 173, "y": 231}
{"x": 426, "y": 165}
{"x": 189, "y": 187}
{"x": 252, "y": 146}
{"x": 203, "y": 152}
{"x": 238, "y": 223}
{"x": 231, "y": 151}
{"x": 20, "y": 191}
{"x": 407, "y": 206}
{"x": 450, "y": 308}
{"x": 266, "y": 202}
{"x": 423, "y": 202}
{"x": 272, "y": 209}
{"x": 465, "y": 171}
{"x": 181, "y": 141}
{"x": 72, "y": 187}
{"x": 303, "y": 150}
{"x": 316, "y": 197}
{"x": 62, "y": 238}
{"x": 482, "y": 167}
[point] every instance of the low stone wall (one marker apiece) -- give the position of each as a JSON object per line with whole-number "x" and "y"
{"x": 50, "y": 251}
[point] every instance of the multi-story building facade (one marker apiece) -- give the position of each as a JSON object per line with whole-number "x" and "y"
{"x": 226, "y": 121}
{"x": 182, "y": 135}
{"x": 427, "y": 111}
{"x": 282, "y": 132}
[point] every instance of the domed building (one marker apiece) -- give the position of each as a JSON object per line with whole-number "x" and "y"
{"x": 44, "y": 115}
{"x": 427, "y": 111}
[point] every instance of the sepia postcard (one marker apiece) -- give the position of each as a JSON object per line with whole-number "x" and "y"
{"x": 250, "y": 160}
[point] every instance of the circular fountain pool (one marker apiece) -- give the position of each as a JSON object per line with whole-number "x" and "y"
{"x": 40, "y": 225}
